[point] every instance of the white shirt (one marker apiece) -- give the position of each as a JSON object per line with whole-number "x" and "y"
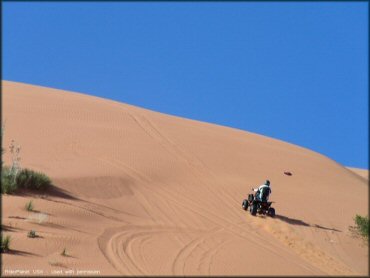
{"x": 261, "y": 187}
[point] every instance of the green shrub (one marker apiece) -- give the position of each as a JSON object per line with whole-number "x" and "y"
{"x": 8, "y": 183}
{"x": 9, "y": 174}
{"x": 14, "y": 177}
{"x": 5, "y": 243}
{"x": 32, "y": 234}
{"x": 29, "y": 206}
{"x": 30, "y": 179}
{"x": 25, "y": 178}
{"x": 362, "y": 225}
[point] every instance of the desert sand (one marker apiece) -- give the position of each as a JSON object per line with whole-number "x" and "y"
{"x": 137, "y": 192}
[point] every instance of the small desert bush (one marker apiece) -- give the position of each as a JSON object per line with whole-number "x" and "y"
{"x": 54, "y": 262}
{"x": 5, "y": 243}
{"x": 362, "y": 225}
{"x": 30, "y": 179}
{"x": 32, "y": 234}
{"x": 29, "y": 206}
{"x": 64, "y": 252}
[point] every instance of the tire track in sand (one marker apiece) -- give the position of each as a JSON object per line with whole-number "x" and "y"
{"x": 179, "y": 262}
{"x": 190, "y": 205}
{"x": 198, "y": 168}
{"x": 123, "y": 247}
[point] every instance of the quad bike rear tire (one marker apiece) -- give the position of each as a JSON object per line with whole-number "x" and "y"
{"x": 271, "y": 212}
{"x": 245, "y": 204}
{"x": 253, "y": 208}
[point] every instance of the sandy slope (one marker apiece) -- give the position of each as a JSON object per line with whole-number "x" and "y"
{"x": 361, "y": 172}
{"x": 139, "y": 192}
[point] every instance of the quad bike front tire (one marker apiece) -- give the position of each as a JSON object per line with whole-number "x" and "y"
{"x": 250, "y": 197}
{"x": 245, "y": 204}
{"x": 271, "y": 212}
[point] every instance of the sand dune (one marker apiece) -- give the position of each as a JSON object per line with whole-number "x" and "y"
{"x": 138, "y": 192}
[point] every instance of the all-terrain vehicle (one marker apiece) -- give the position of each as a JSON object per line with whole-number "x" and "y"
{"x": 258, "y": 206}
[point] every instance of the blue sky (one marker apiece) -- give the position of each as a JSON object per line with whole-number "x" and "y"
{"x": 293, "y": 71}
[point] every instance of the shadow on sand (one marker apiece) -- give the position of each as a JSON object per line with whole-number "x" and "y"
{"x": 17, "y": 217}
{"x": 70, "y": 256}
{"x": 7, "y": 228}
{"x": 52, "y": 191}
{"x": 293, "y": 221}
{"x": 55, "y": 191}
{"x": 20, "y": 253}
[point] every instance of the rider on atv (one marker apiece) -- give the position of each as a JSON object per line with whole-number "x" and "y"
{"x": 263, "y": 192}
{"x": 259, "y": 203}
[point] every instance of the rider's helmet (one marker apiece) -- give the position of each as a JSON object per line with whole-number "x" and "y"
{"x": 267, "y": 182}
